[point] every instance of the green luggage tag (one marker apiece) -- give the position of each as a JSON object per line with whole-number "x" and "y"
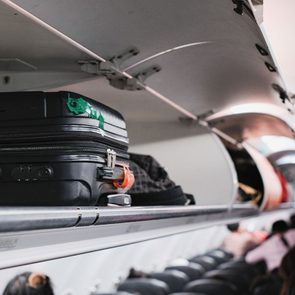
{"x": 80, "y": 106}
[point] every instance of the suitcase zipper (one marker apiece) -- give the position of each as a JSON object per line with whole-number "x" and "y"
{"x": 116, "y": 141}
{"x": 66, "y": 149}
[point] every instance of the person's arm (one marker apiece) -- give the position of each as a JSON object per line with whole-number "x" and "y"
{"x": 256, "y": 255}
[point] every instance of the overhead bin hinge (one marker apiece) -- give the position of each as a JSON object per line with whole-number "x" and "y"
{"x": 205, "y": 115}
{"x": 110, "y": 67}
{"x": 243, "y": 7}
{"x": 282, "y": 93}
{"x": 239, "y": 6}
{"x": 111, "y": 70}
{"x": 270, "y": 67}
{"x": 261, "y": 50}
{"x": 119, "y": 59}
{"x": 136, "y": 83}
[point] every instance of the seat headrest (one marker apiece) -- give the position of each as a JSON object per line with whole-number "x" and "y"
{"x": 240, "y": 266}
{"x": 117, "y": 293}
{"x": 144, "y": 286}
{"x": 211, "y": 287}
{"x": 194, "y": 271}
{"x": 219, "y": 252}
{"x": 238, "y": 279}
{"x": 207, "y": 262}
{"x": 176, "y": 280}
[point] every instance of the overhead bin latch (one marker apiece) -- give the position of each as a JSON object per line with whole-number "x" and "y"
{"x": 111, "y": 69}
{"x": 242, "y": 7}
{"x": 282, "y": 93}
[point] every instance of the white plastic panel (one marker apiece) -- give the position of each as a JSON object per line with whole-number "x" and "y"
{"x": 199, "y": 163}
{"x": 78, "y": 275}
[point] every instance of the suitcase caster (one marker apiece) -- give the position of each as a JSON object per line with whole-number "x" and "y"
{"x": 119, "y": 200}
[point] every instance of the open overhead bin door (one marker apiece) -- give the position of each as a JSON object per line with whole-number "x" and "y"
{"x": 207, "y": 54}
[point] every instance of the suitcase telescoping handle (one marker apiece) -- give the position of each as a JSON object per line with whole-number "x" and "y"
{"x": 118, "y": 172}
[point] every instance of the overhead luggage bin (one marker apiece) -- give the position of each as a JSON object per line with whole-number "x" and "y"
{"x": 194, "y": 70}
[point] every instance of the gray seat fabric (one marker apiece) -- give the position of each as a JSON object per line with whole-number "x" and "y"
{"x": 209, "y": 263}
{"x": 176, "y": 280}
{"x": 220, "y": 254}
{"x": 194, "y": 271}
{"x": 239, "y": 279}
{"x": 260, "y": 267}
{"x": 118, "y": 293}
{"x": 211, "y": 287}
{"x": 240, "y": 266}
{"x": 144, "y": 286}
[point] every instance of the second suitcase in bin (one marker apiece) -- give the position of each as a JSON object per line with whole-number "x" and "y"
{"x": 60, "y": 149}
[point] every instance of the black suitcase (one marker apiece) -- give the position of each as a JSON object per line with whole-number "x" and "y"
{"x": 60, "y": 149}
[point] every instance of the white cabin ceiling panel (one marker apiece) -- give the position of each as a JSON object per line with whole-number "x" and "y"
{"x": 26, "y": 47}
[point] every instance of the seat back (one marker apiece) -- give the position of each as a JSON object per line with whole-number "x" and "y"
{"x": 144, "y": 286}
{"x": 240, "y": 266}
{"x": 211, "y": 287}
{"x": 193, "y": 271}
{"x": 209, "y": 263}
{"x": 176, "y": 280}
{"x": 220, "y": 254}
{"x": 241, "y": 282}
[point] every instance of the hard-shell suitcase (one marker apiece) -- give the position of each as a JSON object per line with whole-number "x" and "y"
{"x": 60, "y": 149}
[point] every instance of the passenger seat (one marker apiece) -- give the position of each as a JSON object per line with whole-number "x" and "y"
{"x": 144, "y": 286}
{"x": 193, "y": 270}
{"x": 211, "y": 287}
{"x": 176, "y": 280}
